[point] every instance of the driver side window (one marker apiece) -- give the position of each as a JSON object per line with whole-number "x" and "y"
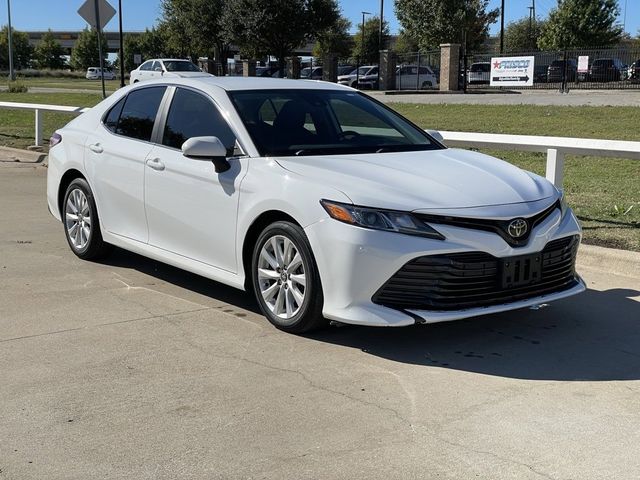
{"x": 193, "y": 115}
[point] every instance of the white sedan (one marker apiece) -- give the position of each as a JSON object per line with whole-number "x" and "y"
{"x": 166, "y": 67}
{"x": 324, "y": 202}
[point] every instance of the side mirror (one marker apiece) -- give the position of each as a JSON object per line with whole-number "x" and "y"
{"x": 157, "y": 69}
{"x": 207, "y": 148}
{"x": 437, "y": 135}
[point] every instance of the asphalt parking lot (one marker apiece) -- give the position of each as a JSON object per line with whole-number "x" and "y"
{"x": 132, "y": 369}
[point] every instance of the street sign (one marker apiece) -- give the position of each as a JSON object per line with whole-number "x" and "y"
{"x": 137, "y": 58}
{"x": 583, "y": 63}
{"x": 88, "y": 12}
{"x": 512, "y": 71}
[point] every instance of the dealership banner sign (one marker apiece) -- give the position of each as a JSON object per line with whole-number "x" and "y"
{"x": 512, "y": 71}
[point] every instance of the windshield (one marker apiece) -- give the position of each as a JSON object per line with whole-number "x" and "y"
{"x": 180, "y": 66}
{"x": 305, "y": 72}
{"x": 480, "y": 67}
{"x": 320, "y": 122}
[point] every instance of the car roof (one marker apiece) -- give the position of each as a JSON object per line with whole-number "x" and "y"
{"x": 249, "y": 83}
{"x": 168, "y": 60}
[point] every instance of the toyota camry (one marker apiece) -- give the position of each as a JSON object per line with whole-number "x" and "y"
{"x": 325, "y": 203}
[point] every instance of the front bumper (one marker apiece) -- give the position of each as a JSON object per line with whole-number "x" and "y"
{"x": 354, "y": 263}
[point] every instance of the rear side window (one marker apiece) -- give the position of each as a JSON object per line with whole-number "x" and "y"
{"x": 139, "y": 113}
{"x": 111, "y": 120}
{"x": 194, "y": 115}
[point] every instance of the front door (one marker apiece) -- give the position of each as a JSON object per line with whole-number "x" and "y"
{"x": 191, "y": 209}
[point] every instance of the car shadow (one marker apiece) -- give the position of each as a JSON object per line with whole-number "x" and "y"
{"x": 594, "y": 336}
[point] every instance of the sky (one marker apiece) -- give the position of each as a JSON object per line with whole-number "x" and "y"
{"x": 140, "y": 14}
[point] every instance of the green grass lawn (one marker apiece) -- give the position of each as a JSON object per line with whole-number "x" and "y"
{"x": 604, "y": 192}
{"x": 69, "y": 83}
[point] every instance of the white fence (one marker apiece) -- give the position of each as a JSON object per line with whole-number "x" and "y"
{"x": 38, "y": 108}
{"x": 555, "y": 147}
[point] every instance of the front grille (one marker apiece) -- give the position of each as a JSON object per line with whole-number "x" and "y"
{"x": 497, "y": 226}
{"x": 460, "y": 281}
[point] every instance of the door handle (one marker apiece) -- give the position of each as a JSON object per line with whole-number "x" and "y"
{"x": 155, "y": 163}
{"x": 96, "y": 147}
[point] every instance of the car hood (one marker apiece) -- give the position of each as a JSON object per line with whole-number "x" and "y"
{"x": 433, "y": 179}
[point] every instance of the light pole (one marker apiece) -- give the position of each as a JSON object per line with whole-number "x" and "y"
{"x": 12, "y": 73}
{"x": 361, "y": 49}
{"x": 121, "y": 44}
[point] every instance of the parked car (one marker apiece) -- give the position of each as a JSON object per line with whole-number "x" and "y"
{"x": 634, "y": 70}
{"x": 412, "y": 77}
{"x": 311, "y": 73}
{"x": 556, "y": 70}
{"x": 479, "y": 73}
{"x": 540, "y": 73}
{"x": 352, "y": 79}
{"x": 345, "y": 69}
{"x": 607, "y": 70}
{"x": 324, "y": 202}
{"x": 94, "y": 73}
{"x": 166, "y": 67}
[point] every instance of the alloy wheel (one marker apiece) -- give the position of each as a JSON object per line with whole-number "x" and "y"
{"x": 78, "y": 219}
{"x": 282, "y": 276}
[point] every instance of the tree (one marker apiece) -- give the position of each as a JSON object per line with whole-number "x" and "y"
{"x": 49, "y": 53}
{"x": 369, "y": 51}
{"x": 432, "y": 22}
{"x": 85, "y": 53}
{"x": 335, "y": 40}
{"x": 581, "y": 23}
{"x": 148, "y": 44}
{"x": 22, "y": 51}
{"x": 522, "y": 35}
{"x": 194, "y": 28}
{"x": 405, "y": 43}
{"x": 276, "y": 27}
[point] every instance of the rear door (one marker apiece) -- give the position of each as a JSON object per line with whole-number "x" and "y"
{"x": 115, "y": 158}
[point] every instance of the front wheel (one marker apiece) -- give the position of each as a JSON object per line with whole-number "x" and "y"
{"x": 286, "y": 280}
{"x": 81, "y": 223}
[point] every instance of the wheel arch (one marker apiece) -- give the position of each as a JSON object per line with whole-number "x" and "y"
{"x": 257, "y": 226}
{"x": 66, "y": 179}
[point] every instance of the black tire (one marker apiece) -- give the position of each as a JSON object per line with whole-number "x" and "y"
{"x": 309, "y": 314}
{"x": 94, "y": 246}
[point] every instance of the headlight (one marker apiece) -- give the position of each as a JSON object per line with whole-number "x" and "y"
{"x": 564, "y": 207}
{"x": 387, "y": 220}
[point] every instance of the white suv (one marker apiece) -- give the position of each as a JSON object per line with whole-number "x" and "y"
{"x": 166, "y": 67}
{"x": 93, "y": 73}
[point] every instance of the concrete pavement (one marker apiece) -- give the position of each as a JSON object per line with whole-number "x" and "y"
{"x": 132, "y": 369}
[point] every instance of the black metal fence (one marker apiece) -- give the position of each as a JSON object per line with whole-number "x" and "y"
{"x": 418, "y": 71}
{"x": 603, "y": 68}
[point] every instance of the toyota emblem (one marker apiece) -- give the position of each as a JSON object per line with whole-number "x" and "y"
{"x": 517, "y": 228}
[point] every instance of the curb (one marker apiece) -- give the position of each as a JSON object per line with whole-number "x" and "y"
{"x": 9, "y": 154}
{"x": 610, "y": 260}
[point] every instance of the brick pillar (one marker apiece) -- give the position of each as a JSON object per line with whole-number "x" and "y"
{"x": 330, "y": 68}
{"x": 293, "y": 67}
{"x": 248, "y": 68}
{"x": 449, "y": 66}
{"x": 387, "y": 70}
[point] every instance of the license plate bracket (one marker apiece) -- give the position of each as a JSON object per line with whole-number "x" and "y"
{"x": 522, "y": 270}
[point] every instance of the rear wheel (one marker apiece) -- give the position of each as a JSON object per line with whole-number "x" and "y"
{"x": 81, "y": 223}
{"x": 286, "y": 280}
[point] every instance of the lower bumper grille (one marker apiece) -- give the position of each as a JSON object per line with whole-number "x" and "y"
{"x": 461, "y": 281}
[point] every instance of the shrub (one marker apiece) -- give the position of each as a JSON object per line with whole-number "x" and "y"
{"x": 17, "y": 87}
